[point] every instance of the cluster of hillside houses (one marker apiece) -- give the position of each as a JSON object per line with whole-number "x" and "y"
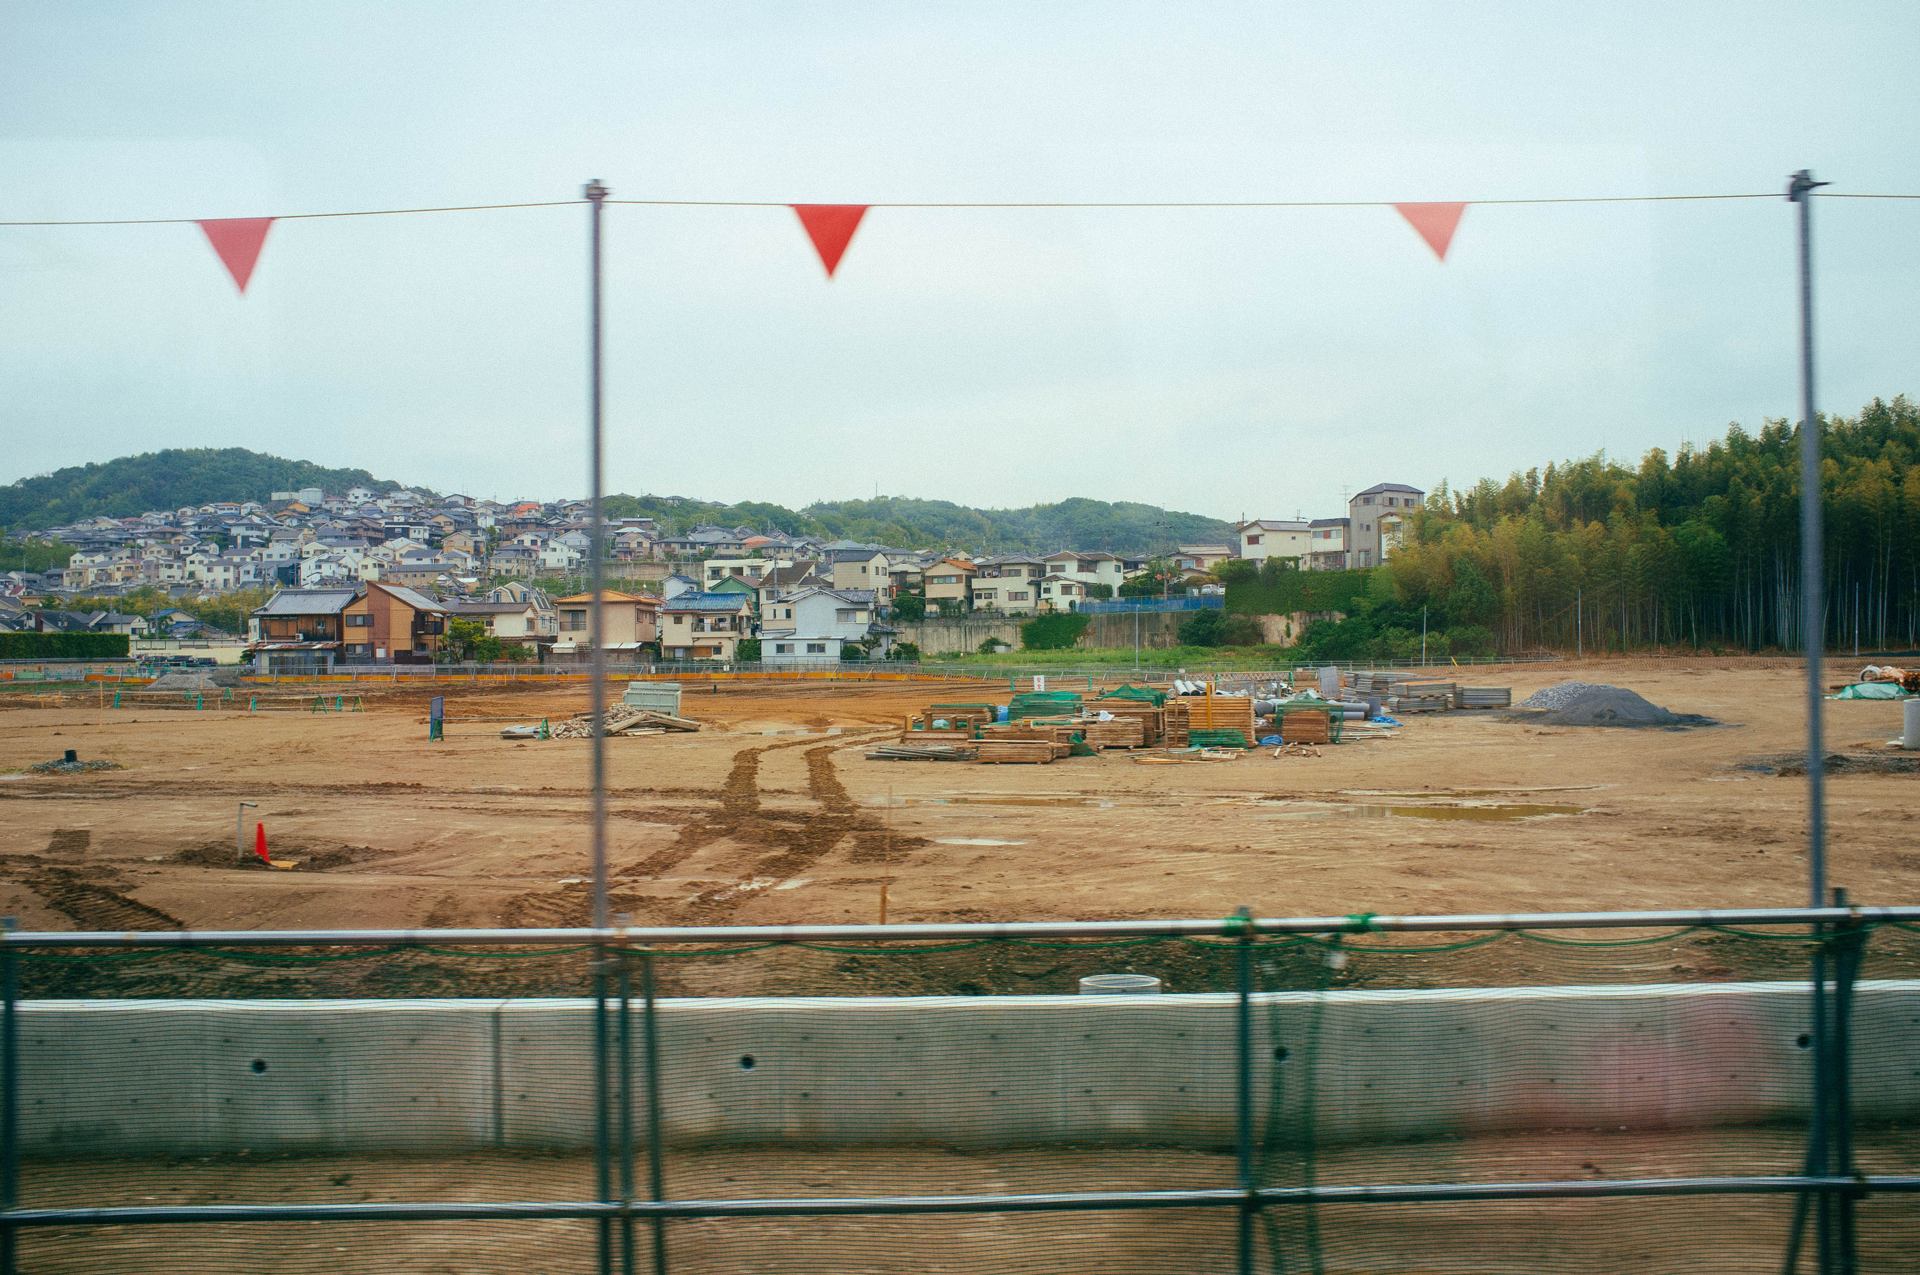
{"x": 370, "y": 576}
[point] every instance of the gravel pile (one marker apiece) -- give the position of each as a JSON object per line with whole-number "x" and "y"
{"x": 1593, "y": 704}
{"x": 186, "y": 681}
{"x": 64, "y": 767}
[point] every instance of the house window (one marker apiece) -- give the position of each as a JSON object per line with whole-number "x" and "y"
{"x": 359, "y": 621}
{"x": 783, "y": 648}
{"x": 816, "y": 648}
{"x": 1017, "y": 597}
{"x": 1253, "y": 540}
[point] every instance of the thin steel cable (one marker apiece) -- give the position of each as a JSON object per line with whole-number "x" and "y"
{"x": 958, "y": 204}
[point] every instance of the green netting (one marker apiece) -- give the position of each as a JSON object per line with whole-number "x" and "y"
{"x": 1141, "y": 694}
{"x": 1218, "y": 739}
{"x": 1044, "y": 704}
{"x": 329, "y": 1075}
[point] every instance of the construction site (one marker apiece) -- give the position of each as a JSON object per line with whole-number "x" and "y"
{"x": 776, "y": 810}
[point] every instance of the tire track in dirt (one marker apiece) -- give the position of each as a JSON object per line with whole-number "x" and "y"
{"x": 93, "y": 904}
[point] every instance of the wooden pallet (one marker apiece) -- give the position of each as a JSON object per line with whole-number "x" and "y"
{"x": 1306, "y": 726}
{"x": 1121, "y": 732}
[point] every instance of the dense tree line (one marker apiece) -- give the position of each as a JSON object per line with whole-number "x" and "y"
{"x": 1701, "y": 549}
{"x": 166, "y": 479}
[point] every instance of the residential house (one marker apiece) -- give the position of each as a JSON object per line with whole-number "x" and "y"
{"x": 1087, "y": 568}
{"x": 392, "y": 623}
{"x": 949, "y": 585}
{"x": 752, "y": 570}
{"x": 676, "y": 584}
{"x": 1377, "y": 518}
{"x": 1008, "y": 583}
{"x": 1203, "y": 558}
{"x": 789, "y": 579}
{"x": 1061, "y": 593}
{"x": 704, "y": 626}
{"x": 858, "y": 569}
{"x": 1282, "y": 538}
{"x": 300, "y": 630}
{"x": 632, "y": 622}
{"x": 1329, "y": 545}
{"x": 810, "y": 616}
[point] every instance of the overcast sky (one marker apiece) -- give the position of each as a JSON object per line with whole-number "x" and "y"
{"x": 1255, "y": 362}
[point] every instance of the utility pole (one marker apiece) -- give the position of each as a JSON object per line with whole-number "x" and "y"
{"x": 596, "y": 195}
{"x": 1579, "y": 625}
{"x": 1812, "y": 553}
{"x": 1423, "y": 636}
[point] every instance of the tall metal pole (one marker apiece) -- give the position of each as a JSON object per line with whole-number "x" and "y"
{"x": 1800, "y": 190}
{"x": 596, "y": 195}
{"x": 596, "y": 536}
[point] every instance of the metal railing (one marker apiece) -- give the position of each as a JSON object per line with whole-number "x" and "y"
{"x": 625, "y": 1018}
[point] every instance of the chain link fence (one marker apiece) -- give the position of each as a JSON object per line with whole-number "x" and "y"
{"x": 1597, "y": 1092}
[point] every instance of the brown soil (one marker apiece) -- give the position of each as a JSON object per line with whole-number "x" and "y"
{"x": 773, "y": 814}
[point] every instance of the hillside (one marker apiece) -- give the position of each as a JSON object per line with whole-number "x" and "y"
{"x": 164, "y": 480}
{"x": 1078, "y": 523}
{"x": 175, "y": 477}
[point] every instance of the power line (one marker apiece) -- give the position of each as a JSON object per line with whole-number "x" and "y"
{"x": 1250, "y": 204}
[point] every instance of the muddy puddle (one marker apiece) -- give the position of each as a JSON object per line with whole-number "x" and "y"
{"x": 1023, "y": 799}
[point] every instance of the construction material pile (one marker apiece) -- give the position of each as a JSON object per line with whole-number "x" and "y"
{"x": 923, "y": 752}
{"x": 190, "y": 680}
{"x": 1594, "y": 704}
{"x": 64, "y": 766}
{"x": 621, "y": 719}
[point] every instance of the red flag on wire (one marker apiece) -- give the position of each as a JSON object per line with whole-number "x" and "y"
{"x": 831, "y": 228}
{"x": 1435, "y": 222}
{"x": 238, "y": 241}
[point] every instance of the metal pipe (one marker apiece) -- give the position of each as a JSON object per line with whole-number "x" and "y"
{"x": 9, "y": 1100}
{"x": 1383, "y": 1193}
{"x": 640, "y": 936}
{"x": 596, "y": 195}
{"x": 650, "y": 1049}
{"x": 1243, "y": 1088}
{"x": 623, "y": 1088}
{"x": 1800, "y": 188}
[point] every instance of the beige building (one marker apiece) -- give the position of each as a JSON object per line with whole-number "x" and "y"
{"x": 632, "y": 621}
{"x": 860, "y": 569}
{"x": 705, "y": 626}
{"x": 950, "y": 580}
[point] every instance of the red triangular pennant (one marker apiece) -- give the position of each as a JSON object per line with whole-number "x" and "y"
{"x": 238, "y": 241}
{"x": 831, "y": 228}
{"x": 1435, "y": 222}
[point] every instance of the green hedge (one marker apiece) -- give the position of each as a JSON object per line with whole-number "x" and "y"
{"x": 64, "y": 646}
{"x": 1053, "y": 632}
{"x": 1284, "y": 592}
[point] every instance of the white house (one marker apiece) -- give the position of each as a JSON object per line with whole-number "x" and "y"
{"x": 1265, "y": 538}
{"x": 1087, "y": 568}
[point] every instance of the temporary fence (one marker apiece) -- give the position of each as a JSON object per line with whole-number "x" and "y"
{"x": 1652, "y": 1091}
{"x": 1123, "y": 606}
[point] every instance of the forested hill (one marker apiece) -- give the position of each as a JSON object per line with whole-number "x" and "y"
{"x": 1117, "y": 527}
{"x": 176, "y": 477}
{"x": 165, "y": 480}
{"x": 1702, "y": 548}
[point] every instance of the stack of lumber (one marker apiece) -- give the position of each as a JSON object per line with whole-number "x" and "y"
{"x": 972, "y": 714}
{"x": 1483, "y": 697}
{"x": 1153, "y": 721}
{"x": 1306, "y": 726}
{"x": 1057, "y": 736}
{"x": 1174, "y": 724}
{"x": 1219, "y": 713}
{"x": 1032, "y": 751}
{"x": 1121, "y": 732}
{"x": 917, "y": 733}
{"x": 922, "y": 752}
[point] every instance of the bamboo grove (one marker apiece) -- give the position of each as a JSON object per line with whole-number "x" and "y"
{"x": 1699, "y": 550}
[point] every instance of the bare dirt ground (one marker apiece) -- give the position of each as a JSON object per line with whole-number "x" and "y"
{"x": 773, "y": 814}
{"x": 1601, "y": 1237}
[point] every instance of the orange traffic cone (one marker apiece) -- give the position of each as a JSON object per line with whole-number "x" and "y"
{"x": 260, "y": 843}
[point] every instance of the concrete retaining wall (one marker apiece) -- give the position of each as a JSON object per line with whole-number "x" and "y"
{"x": 112, "y": 1078}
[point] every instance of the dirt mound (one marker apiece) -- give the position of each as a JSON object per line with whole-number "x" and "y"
{"x": 1593, "y": 704}
{"x": 61, "y": 766}
{"x": 1835, "y": 764}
